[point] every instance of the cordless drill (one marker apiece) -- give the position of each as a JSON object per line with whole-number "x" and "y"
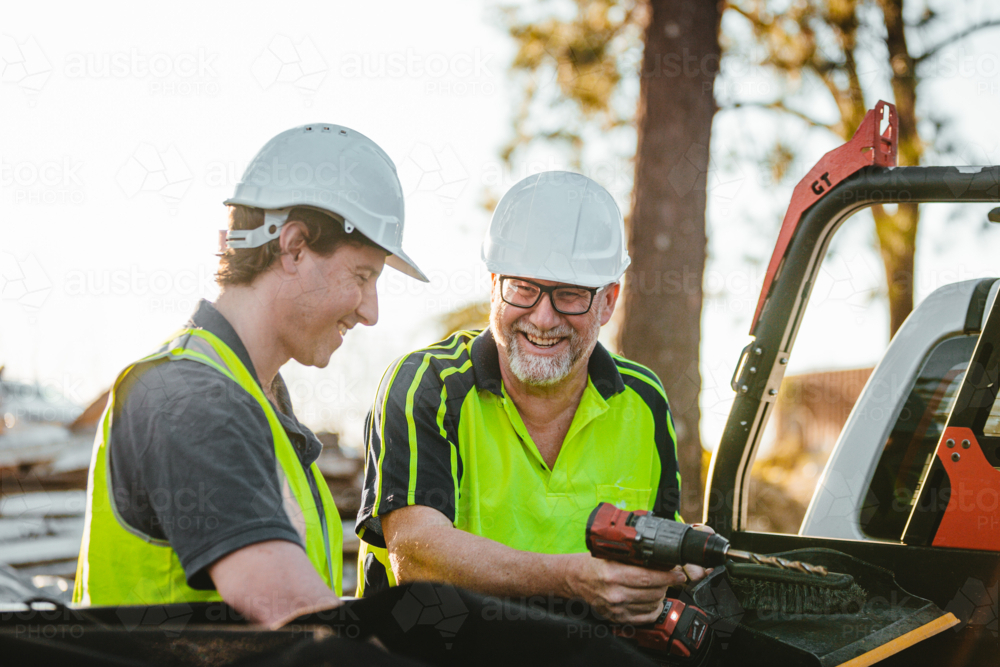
{"x": 642, "y": 539}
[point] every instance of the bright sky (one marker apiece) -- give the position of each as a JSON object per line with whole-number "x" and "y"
{"x": 123, "y": 134}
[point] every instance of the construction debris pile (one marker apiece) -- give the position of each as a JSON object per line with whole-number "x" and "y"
{"x": 45, "y": 449}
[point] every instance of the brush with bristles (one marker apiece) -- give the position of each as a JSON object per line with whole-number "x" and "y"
{"x": 769, "y": 588}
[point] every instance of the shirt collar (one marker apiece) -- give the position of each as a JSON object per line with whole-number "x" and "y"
{"x": 207, "y": 317}
{"x": 486, "y": 366}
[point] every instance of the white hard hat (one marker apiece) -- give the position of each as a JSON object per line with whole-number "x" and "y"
{"x": 558, "y": 226}
{"x": 327, "y": 167}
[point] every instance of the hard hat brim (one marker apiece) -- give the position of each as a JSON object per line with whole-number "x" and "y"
{"x": 397, "y": 259}
{"x": 402, "y": 263}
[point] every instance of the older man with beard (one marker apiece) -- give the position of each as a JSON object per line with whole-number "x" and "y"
{"x": 487, "y": 452}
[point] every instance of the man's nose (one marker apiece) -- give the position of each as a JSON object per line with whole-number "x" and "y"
{"x": 544, "y": 316}
{"x": 368, "y": 310}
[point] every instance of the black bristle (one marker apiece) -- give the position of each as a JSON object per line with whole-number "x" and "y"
{"x": 767, "y": 589}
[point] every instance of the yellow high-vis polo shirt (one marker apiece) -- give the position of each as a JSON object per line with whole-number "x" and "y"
{"x": 443, "y": 433}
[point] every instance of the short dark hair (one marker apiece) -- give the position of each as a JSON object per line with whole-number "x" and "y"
{"x": 324, "y": 234}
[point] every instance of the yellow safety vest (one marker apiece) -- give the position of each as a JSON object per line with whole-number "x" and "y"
{"x": 120, "y": 565}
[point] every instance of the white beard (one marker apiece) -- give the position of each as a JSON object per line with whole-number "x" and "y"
{"x": 536, "y": 370}
{"x": 542, "y": 371}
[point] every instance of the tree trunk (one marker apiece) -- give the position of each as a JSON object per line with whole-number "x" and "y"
{"x": 897, "y": 234}
{"x": 663, "y": 287}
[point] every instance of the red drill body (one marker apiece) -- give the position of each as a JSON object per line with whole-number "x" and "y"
{"x": 639, "y": 538}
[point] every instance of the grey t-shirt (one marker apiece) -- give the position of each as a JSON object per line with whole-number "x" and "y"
{"x": 192, "y": 457}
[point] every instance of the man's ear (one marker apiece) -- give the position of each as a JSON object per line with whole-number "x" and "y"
{"x": 608, "y": 297}
{"x": 293, "y": 245}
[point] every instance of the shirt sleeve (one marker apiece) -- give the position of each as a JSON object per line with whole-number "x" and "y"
{"x": 410, "y": 456}
{"x": 668, "y": 492}
{"x": 193, "y": 463}
{"x": 649, "y": 388}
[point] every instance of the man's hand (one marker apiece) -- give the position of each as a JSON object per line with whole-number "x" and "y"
{"x": 618, "y": 592}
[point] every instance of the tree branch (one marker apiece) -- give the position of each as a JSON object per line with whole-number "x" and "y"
{"x": 754, "y": 17}
{"x": 930, "y": 53}
{"x": 780, "y": 106}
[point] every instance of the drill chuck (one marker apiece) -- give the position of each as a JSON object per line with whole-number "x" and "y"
{"x": 663, "y": 544}
{"x": 640, "y": 538}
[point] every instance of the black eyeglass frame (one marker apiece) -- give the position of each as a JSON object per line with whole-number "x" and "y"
{"x": 548, "y": 289}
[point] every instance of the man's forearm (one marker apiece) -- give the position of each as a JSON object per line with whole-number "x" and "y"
{"x": 444, "y": 553}
{"x": 424, "y": 545}
{"x": 271, "y": 583}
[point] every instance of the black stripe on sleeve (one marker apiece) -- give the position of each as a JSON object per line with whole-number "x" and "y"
{"x": 371, "y": 526}
{"x": 668, "y": 492}
{"x": 388, "y": 429}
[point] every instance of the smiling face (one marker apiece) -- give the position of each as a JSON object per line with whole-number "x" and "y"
{"x": 329, "y": 296}
{"x": 542, "y": 347}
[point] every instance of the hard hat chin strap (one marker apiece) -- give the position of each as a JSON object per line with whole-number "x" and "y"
{"x": 274, "y": 220}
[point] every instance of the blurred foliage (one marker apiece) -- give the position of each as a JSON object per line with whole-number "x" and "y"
{"x": 571, "y": 60}
{"x": 474, "y": 315}
{"x": 577, "y": 66}
{"x": 846, "y": 51}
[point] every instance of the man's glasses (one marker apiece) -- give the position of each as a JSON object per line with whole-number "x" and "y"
{"x": 566, "y": 300}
